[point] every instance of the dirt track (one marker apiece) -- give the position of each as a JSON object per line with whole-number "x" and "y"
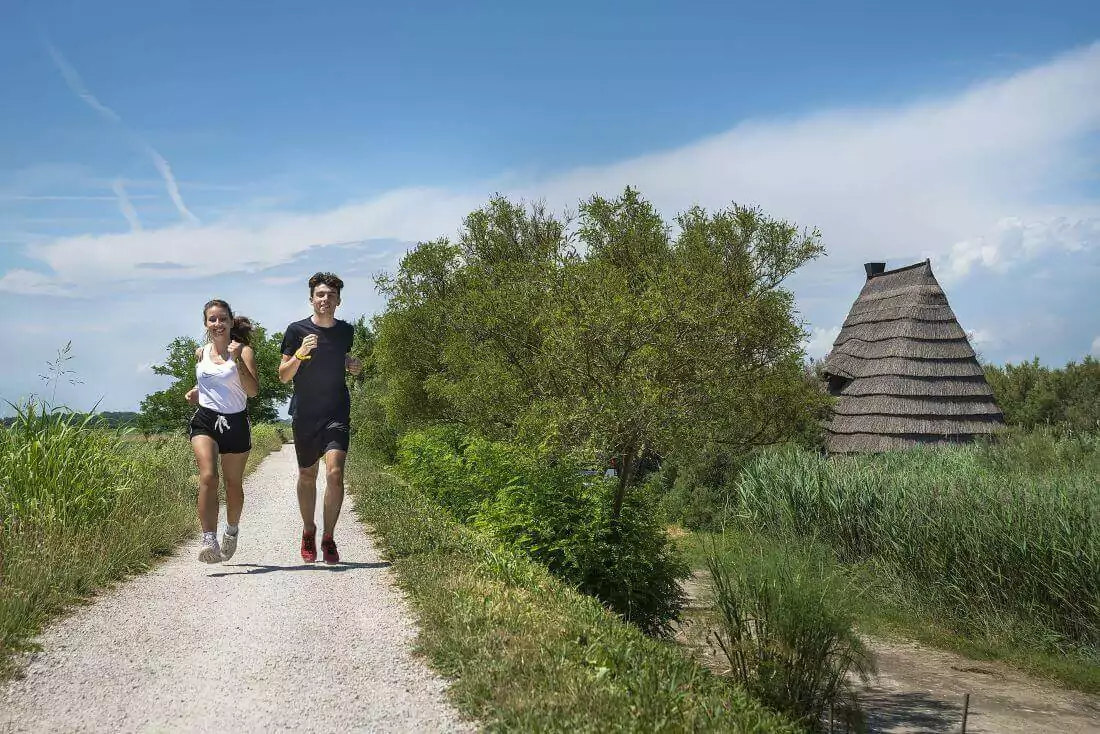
{"x": 919, "y": 689}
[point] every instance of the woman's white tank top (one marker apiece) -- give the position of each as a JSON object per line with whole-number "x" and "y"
{"x": 220, "y": 386}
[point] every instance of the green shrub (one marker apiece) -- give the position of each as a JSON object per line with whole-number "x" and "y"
{"x": 786, "y": 628}
{"x": 695, "y": 491}
{"x": 372, "y": 432}
{"x": 526, "y": 653}
{"x": 557, "y": 517}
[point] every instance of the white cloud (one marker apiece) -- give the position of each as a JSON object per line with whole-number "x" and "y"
{"x": 1014, "y": 241}
{"x": 821, "y": 341}
{"x": 95, "y": 260}
{"x": 925, "y": 180}
{"x": 1096, "y": 347}
{"x": 280, "y": 280}
{"x": 983, "y": 338}
{"x": 28, "y": 282}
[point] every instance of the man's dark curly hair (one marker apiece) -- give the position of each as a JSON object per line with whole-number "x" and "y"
{"x": 329, "y": 279}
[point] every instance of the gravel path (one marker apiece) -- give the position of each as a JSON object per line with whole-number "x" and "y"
{"x": 261, "y": 642}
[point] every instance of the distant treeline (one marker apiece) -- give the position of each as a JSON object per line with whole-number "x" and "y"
{"x": 1032, "y": 395}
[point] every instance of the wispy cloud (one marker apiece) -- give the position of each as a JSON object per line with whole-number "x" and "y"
{"x": 193, "y": 185}
{"x": 76, "y": 84}
{"x": 74, "y": 197}
{"x": 126, "y": 207}
{"x": 1096, "y": 347}
{"x": 930, "y": 179}
{"x": 277, "y": 280}
{"x": 29, "y": 282}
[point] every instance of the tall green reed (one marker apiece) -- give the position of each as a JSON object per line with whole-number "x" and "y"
{"x": 785, "y": 624}
{"x": 57, "y": 468}
{"x": 976, "y": 532}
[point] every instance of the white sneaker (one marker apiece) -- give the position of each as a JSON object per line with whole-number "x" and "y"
{"x": 210, "y": 552}
{"x": 229, "y": 544}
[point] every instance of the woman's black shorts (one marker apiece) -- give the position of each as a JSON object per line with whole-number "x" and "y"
{"x": 233, "y": 432}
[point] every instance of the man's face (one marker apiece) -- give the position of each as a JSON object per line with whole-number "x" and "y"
{"x": 325, "y": 299}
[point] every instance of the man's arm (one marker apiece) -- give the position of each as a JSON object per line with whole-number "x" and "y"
{"x": 291, "y": 362}
{"x": 288, "y": 367}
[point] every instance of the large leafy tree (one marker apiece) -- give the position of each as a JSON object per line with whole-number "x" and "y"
{"x": 612, "y": 338}
{"x": 168, "y": 409}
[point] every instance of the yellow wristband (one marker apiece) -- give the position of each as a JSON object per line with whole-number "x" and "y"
{"x": 303, "y": 358}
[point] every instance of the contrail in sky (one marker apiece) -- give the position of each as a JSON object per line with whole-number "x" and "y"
{"x": 125, "y": 206}
{"x": 76, "y": 84}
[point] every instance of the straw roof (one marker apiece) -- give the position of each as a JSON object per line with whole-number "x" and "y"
{"x": 903, "y": 370}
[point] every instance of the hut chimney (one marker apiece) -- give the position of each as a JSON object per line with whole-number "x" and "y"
{"x": 874, "y": 269}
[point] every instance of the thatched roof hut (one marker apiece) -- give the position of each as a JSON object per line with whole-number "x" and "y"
{"x": 903, "y": 370}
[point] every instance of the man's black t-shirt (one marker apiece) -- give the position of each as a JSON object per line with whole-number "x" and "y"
{"x": 320, "y": 389}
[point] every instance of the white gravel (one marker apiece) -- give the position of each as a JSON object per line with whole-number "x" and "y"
{"x": 261, "y": 642}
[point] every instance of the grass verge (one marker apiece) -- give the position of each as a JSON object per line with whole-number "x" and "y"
{"x": 880, "y": 612}
{"x": 48, "y": 566}
{"x": 524, "y": 651}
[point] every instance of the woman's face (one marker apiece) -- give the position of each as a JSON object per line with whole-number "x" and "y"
{"x": 217, "y": 322}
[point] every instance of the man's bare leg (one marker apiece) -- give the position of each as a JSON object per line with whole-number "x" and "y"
{"x": 307, "y": 497}
{"x": 334, "y": 489}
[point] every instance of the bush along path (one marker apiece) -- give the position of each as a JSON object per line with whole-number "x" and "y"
{"x": 527, "y": 651}
{"x": 261, "y": 642}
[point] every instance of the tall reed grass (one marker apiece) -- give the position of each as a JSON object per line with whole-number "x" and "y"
{"x": 982, "y": 535}
{"x": 785, "y": 625}
{"x": 82, "y": 507}
{"x": 58, "y": 470}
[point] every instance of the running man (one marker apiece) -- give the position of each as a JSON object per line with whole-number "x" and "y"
{"x": 316, "y": 356}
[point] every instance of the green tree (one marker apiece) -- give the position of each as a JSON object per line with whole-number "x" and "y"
{"x": 611, "y": 341}
{"x": 362, "y": 348}
{"x": 1081, "y": 394}
{"x": 372, "y": 431}
{"x": 1033, "y": 395}
{"x": 168, "y": 409}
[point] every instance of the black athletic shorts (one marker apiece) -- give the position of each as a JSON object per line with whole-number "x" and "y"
{"x": 315, "y": 437}
{"x": 233, "y": 432}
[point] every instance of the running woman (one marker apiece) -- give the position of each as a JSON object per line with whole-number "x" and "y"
{"x": 316, "y": 354}
{"x": 227, "y": 376}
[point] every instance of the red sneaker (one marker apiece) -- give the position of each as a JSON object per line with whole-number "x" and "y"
{"x": 309, "y": 547}
{"x": 328, "y": 548}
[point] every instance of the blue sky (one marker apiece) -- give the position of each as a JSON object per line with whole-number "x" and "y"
{"x": 155, "y": 155}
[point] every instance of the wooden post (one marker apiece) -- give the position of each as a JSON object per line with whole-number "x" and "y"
{"x": 966, "y": 710}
